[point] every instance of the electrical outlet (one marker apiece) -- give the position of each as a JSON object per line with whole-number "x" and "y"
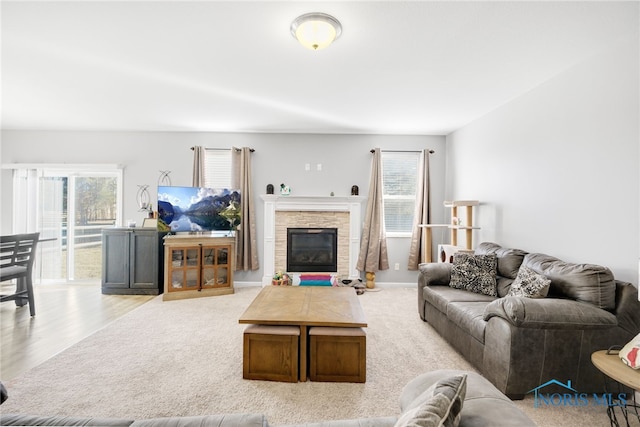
{"x": 307, "y": 167}
{"x": 319, "y": 166}
{"x": 397, "y": 266}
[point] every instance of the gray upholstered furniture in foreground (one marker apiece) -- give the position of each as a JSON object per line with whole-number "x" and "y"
{"x": 483, "y": 406}
{"x": 521, "y": 343}
{"x": 226, "y": 420}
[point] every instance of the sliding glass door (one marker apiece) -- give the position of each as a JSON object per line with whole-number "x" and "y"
{"x": 69, "y": 207}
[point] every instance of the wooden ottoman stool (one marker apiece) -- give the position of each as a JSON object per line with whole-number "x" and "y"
{"x": 337, "y": 354}
{"x": 271, "y": 353}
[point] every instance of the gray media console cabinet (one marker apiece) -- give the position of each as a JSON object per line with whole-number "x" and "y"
{"x": 132, "y": 261}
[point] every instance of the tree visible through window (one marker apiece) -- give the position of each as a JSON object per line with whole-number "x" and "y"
{"x": 399, "y": 182}
{"x": 69, "y": 205}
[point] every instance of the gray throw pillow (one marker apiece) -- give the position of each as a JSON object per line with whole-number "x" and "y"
{"x": 441, "y": 407}
{"x": 475, "y": 273}
{"x": 529, "y": 284}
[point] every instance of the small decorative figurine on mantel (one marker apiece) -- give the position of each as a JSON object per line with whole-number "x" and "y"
{"x": 285, "y": 190}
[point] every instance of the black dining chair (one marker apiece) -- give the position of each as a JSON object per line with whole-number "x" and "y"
{"x": 17, "y": 254}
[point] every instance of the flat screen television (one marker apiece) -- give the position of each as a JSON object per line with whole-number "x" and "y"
{"x": 198, "y": 209}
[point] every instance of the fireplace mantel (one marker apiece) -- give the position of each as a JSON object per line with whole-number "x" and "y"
{"x": 274, "y": 203}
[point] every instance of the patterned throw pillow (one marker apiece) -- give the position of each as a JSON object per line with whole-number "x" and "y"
{"x": 630, "y": 353}
{"x": 475, "y": 273}
{"x": 529, "y": 284}
{"x": 442, "y": 405}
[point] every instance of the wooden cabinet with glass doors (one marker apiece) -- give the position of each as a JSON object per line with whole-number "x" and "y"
{"x": 197, "y": 266}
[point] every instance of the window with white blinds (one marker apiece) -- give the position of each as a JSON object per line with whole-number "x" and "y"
{"x": 217, "y": 168}
{"x": 399, "y": 182}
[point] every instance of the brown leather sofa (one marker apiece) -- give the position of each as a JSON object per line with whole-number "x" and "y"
{"x": 521, "y": 343}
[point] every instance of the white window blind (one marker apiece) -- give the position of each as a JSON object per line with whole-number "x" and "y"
{"x": 217, "y": 168}
{"x": 399, "y": 182}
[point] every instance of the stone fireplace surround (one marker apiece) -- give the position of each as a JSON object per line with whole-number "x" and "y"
{"x": 280, "y": 212}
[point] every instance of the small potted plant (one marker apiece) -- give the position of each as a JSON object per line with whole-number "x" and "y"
{"x": 280, "y": 279}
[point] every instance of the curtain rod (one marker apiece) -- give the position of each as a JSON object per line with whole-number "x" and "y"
{"x": 215, "y": 149}
{"x": 402, "y": 151}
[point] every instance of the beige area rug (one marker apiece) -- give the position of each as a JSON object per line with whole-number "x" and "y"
{"x": 184, "y": 357}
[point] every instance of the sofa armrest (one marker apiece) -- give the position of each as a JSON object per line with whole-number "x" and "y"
{"x": 435, "y": 273}
{"x": 549, "y": 313}
{"x": 432, "y": 273}
{"x": 627, "y": 307}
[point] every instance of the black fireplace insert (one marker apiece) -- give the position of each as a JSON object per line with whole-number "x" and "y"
{"x": 312, "y": 250}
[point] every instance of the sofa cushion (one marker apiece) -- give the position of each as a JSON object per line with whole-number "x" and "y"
{"x": 475, "y": 273}
{"x": 503, "y": 285}
{"x": 529, "y": 284}
{"x": 438, "y": 405}
{"x": 509, "y": 260}
{"x": 469, "y": 316}
{"x": 589, "y": 283}
{"x": 441, "y": 296}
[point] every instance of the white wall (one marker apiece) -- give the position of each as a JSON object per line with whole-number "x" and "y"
{"x": 277, "y": 158}
{"x": 556, "y": 170}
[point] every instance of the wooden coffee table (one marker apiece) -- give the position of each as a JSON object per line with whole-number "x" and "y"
{"x": 306, "y": 306}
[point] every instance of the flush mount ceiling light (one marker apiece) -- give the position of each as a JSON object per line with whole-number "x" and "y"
{"x": 315, "y": 30}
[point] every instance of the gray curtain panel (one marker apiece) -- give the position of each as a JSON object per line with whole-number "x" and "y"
{"x": 246, "y": 250}
{"x": 198, "y": 166}
{"x": 421, "y": 214}
{"x": 373, "y": 246}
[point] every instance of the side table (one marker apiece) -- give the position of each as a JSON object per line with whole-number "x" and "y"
{"x": 609, "y": 363}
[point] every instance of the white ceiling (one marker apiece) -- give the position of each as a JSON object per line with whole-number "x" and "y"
{"x": 400, "y": 67}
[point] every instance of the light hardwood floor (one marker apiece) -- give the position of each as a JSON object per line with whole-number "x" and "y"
{"x": 65, "y": 314}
